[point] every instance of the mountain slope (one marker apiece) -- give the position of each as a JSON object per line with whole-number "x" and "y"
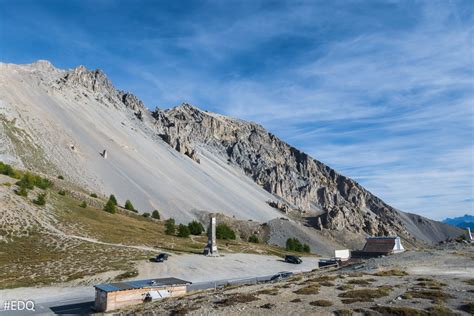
{"x": 68, "y": 118}
{"x": 182, "y": 159}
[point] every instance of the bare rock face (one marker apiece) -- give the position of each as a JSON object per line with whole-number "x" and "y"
{"x": 303, "y": 182}
{"x": 101, "y": 88}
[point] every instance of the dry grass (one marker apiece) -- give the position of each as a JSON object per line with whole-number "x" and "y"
{"x": 399, "y": 311}
{"x": 269, "y": 291}
{"x": 431, "y": 284}
{"x": 308, "y": 290}
{"x": 322, "y": 303}
{"x": 236, "y": 299}
{"x": 361, "y": 281}
{"x": 296, "y": 300}
{"x": 470, "y": 282}
{"x": 343, "y": 312}
{"x": 440, "y": 310}
{"x": 345, "y": 287}
{"x": 433, "y": 295}
{"x": 393, "y": 272}
{"x": 364, "y": 295}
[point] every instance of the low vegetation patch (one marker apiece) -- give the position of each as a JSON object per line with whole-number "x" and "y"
{"x": 440, "y": 310}
{"x": 267, "y": 306}
{"x": 296, "y": 300}
{"x": 224, "y": 232}
{"x": 127, "y": 275}
{"x": 293, "y": 244}
{"x": 361, "y": 281}
{"x": 468, "y": 307}
{"x": 8, "y": 170}
{"x": 253, "y": 239}
{"x": 308, "y": 290}
{"x": 364, "y": 295}
{"x": 62, "y": 192}
{"x": 398, "y": 311}
{"x": 129, "y": 206}
{"x": 269, "y": 291}
{"x": 183, "y": 231}
{"x": 238, "y": 298}
{"x": 470, "y": 282}
{"x": 433, "y": 295}
{"x": 432, "y": 284}
{"x": 155, "y": 214}
{"x": 40, "y": 199}
{"x": 356, "y": 274}
{"x": 170, "y": 226}
{"x": 195, "y": 228}
{"x": 343, "y": 312}
{"x": 345, "y": 287}
{"x": 323, "y": 303}
{"x": 393, "y": 272}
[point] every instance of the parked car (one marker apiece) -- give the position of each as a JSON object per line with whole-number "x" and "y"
{"x": 161, "y": 257}
{"x": 329, "y": 263}
{"x": 293, "y": 259}
{"x": 281, "y": 275}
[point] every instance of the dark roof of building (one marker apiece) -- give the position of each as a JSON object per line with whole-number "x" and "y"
{"x": 379, "y": 244}
{"x": 138, "y": 284}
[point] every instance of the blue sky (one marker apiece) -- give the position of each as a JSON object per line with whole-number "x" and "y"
{"x": 382, "y": 91}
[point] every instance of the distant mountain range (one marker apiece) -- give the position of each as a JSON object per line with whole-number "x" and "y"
{"x": 462, "y": 221}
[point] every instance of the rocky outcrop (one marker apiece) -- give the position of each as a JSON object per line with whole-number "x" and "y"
{"x": 302, "y": 182}
{"x": 101, "y": 88}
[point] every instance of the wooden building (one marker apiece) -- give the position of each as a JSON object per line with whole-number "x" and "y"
{"x": 112, "y": 296}
{"x": 379, "y": 246}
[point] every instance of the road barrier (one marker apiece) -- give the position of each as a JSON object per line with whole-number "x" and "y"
{"x": 229, "y": 282}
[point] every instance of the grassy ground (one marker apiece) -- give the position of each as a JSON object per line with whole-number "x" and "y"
{"x": 46, "y": 256}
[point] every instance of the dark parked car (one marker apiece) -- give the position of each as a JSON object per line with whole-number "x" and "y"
{"x": 293, "y": 259}
{"x": 281, "y": 275}
{"x": 329, "y": 263}
{"x": 161, "y": 257}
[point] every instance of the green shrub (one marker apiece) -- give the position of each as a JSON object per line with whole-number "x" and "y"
{"x": 60, "y": 177}
{"x": 129, "y": 206}
{"x": 253, "y": 239}
{"x": 224, "y": 232}
{"x": 41, "y": 199}
{"x": 22, "y": 191}
{"x": 93, "y": 195}
{"x": 155, "y": 214}
{"x": 7, "y": 170}
{"x": 27, "y": 181}
{"x": 146, "y": 215}
{"x": 113, "y": 199}
{"x": 195, "y": 228}
{"x": 62, "y": 192}
{"x": 110, "y": 206}
{"x": 306, "y": 248}
{"x": 170, "y": 228}
{"x": 293, "y": 244}
{"x": 83, "y": 204}
{"x": 183, "y": 231}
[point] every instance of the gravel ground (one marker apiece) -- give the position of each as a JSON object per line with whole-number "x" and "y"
{"x": 446, "y": 293}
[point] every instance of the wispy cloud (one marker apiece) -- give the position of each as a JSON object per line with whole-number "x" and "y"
{"x": 381, "y": 91}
